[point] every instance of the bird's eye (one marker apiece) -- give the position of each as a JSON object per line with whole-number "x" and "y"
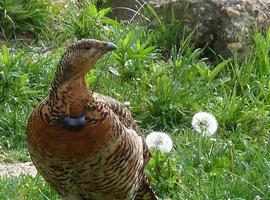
{"x": 87, "y": 48}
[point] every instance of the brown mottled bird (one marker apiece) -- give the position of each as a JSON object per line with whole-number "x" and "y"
{"x": 86, "y": 145}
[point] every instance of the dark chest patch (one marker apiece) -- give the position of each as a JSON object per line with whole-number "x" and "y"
{"x": 73, "y": 123}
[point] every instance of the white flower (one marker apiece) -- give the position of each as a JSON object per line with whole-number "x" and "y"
{"x": 127, "y": 103}
{"x": 204, "y": 123}
{"x": 160, "y": 141}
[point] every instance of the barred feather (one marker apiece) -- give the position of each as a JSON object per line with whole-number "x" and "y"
{"x": 106, "y": 158}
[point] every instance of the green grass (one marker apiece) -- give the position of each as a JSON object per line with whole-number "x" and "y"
{"x": 25, "y": 188}
{"x": 166, "y": 84}
{"x": 27, "y": 17}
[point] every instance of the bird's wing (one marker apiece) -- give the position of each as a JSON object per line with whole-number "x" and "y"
{"x": 125, "y": 118}
{"x": 118, "y": 109}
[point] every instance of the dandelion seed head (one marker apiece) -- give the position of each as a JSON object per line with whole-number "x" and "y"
{"x": 204, "y": 123}
{"x": 127, "y": 103}
{"x": 230, "y": 143}
{"x": 160, "y": 141}
{"x": 258, "y": 197}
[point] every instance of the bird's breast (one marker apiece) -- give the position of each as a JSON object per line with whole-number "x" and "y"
{"x": 59, "y": 141}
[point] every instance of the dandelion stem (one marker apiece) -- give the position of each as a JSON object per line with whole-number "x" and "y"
{"x": 200, "y": 148}
{"x": 157, "y": 164}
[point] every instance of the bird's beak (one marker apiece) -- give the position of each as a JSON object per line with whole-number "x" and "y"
{"x": 110, "y": 46}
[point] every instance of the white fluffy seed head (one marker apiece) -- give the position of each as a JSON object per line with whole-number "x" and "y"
{"x": 160, "y": 141}
{"x": 204, "y": 123}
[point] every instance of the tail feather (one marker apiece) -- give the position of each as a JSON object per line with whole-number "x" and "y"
{"x": 145, "y": 191}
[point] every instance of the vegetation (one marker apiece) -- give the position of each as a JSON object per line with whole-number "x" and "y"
{"x": 26, "y": 17}
{"x": 166, "y": 82}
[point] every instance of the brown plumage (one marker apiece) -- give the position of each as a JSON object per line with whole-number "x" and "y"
{"x": 86, "y": 145}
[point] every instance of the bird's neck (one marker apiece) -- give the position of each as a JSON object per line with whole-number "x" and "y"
{"x": 68, "y": 97}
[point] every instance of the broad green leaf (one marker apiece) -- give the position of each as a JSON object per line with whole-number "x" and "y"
{"x": 92, "y": 11}
{"x": 128, "y": 39}
{"x": 15, "y": 74}
{"x": 135, "y": 55}
{"x": 108, "y": 21}
{"x": 103, "y": 12}
{"x": 133, "y": 36}
{"x": 138, "y": 45}
{"x": 201, "y": 70}
{"x": 23, "y": 79}
{"x": 217, "y": 69}
{"x": 149, "y": 49}
{"x": 5, "y": 55}
{"x": 157, "y": 17}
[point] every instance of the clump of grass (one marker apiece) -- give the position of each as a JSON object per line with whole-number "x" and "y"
{"x": 13, "y": 81}
{"x": 26, "y": 17}
{"x": 262, "y": 50}
{"x": 24, "y": 78}
{"x": 85, "y": 20}
{"x": 210, "y": 168}
{"x": 169, "y": 30}
{"x": 25, "y": 187}
{"x": 134, "y": 53}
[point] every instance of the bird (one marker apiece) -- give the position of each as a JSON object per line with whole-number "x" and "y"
{"x": 84, "y": 144}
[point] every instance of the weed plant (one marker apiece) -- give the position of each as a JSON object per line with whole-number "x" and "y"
{"x": 26, "y": 17}
{"x": 86, "y": 20}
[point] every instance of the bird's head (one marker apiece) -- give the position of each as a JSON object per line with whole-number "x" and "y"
{"x": 83, "y": 54}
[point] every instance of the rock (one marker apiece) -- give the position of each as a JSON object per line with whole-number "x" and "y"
{"x": 123, "y": 10}
{"x": 222, "y": 24}
{"x": 16, "y": 169}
